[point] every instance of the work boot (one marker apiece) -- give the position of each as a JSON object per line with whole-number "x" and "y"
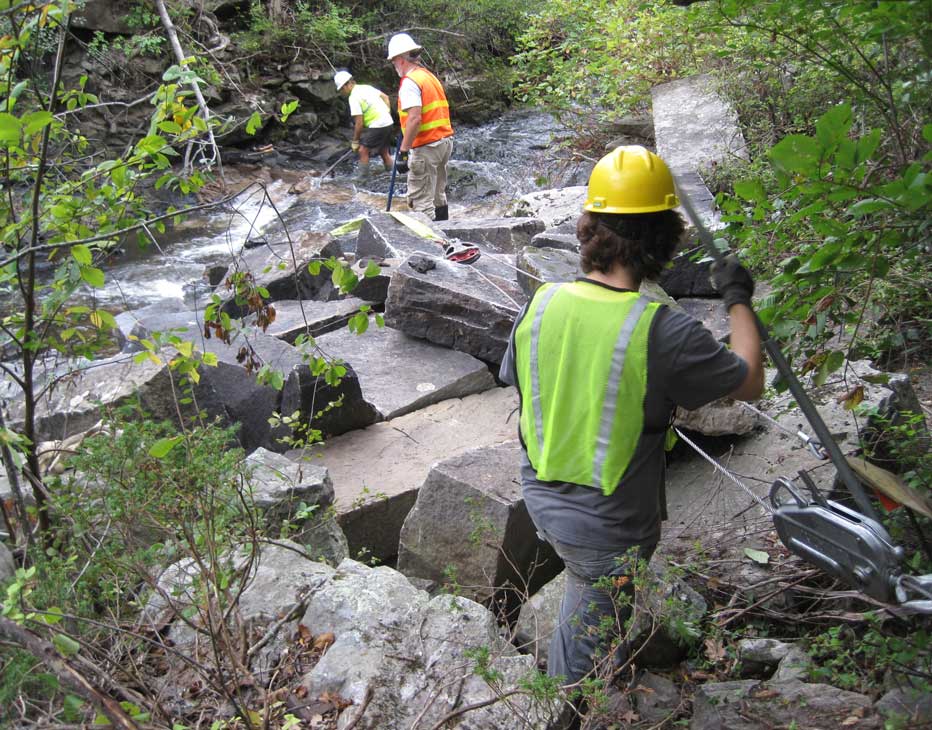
{"x": 442, "y": 213}
{"x": 362, "y": 172}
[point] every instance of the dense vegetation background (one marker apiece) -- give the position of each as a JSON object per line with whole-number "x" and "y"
{"x": 831, "y": 209}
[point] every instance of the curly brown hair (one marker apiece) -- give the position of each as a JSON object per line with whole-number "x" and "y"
{"x": 643, "y": 244}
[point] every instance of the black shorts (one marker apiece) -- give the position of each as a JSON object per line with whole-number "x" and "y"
{"x": 375, "y": 138}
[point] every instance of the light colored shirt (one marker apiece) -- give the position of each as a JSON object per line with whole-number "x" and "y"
{"x": 366, "y": 101}
{"x": 409, "y": 94}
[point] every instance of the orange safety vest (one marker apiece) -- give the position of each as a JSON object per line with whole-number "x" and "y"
{"x": 435, "y": 110}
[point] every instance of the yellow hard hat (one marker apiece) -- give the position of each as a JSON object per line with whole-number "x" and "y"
{"x": 630, "y": 180}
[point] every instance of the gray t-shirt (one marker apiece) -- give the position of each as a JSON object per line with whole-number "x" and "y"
{"x": 686, "y": 366}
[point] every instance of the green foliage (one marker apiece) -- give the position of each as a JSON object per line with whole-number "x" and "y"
{"x": 848, "y": 242}
{"x": 863, "y": 661}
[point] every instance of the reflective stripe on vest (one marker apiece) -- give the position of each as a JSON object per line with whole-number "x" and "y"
{"x": 581, "y": 354}
{"x": 435, "y": 110}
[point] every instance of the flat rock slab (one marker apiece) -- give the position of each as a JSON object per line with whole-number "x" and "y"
{"x": 399, "y": 374}
{"x": 499, "y": 235}
{"x": 465, "y": 308}
{"x": 294, "y": 317}
{"x": 488, "y": 541}
{"x": 561, "y": 236}
{"x": 376, "y": 472}
{"x": 693, "y": 125}
{"x": 554, "y": 206}
{"x": 749, "y": 705}
{"x": 382, "y": 237}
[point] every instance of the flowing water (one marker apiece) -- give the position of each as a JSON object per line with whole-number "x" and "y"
{"x": 492, "y": 165}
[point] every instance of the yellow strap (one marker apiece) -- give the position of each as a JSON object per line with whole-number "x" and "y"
{"x": 415, "y": 226}
{"x": 434, "y": 105}
{"x": 433, "y": 125}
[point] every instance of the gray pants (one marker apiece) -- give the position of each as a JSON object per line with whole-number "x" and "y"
{"x": 427, "y": 176}
{"x": 591, "y": 619}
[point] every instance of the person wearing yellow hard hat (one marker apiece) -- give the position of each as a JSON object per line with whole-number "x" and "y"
{"x": 427, "y": 141}
{"x": 599, "y": 370}
{"x": 373, "y": 125}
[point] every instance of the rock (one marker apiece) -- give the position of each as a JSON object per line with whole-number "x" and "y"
{"x": 488, "y": 543}
{"x": 294, "y": 499}
{"x": 632, "y": 126}
{"x": 694, "y": 126}
{"x": 793, "y": 666}
{"x": 539, "y": 265}
{"x": 294, "y": 317}
{"x": 553, "y": 207}
{"x": 7, "y": 564}
{"x": 723, "y": 417}
{"x": 466, "y": 308}
{"x": 750, "y": 705}
{"x": 656, "y": 698}
{"x": 911, "y": 707}
{"x": 230, "y": 392}
{"x": 760, "y": 656}
{"x": 377, "y": 471}
{"x": 399, "y": 374}
{"x": 561, "y": 236}
{"x": 381, "y": 236}
{"x": 665, "y": 603}
{"x": 375, "y": 288}
{"x": 107, "y": 16}
{"x": 282, "y": 270}
{"x": 320, "y": 91}
{"x": 395, "y": 649}
{"x": 499, "y": 235}
{"x": 687, "y": 277}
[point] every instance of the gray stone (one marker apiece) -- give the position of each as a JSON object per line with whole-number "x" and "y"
{"x": 795, "y": 665}
{"x": 466, "y": 308}
{"x": 381, "y": 236}
{"x": 539, "y": 265}
{"x": 761, "y": 652}
{"x": 633, "y": 126}
{"x": 321, "y": 91}
{"x": 554, "y": 238}
{"x": 281, "y": 268}
{"x": 294, "y": 317}
{"x": 538, "y": 619}
{"x": 488, "y": 542}
{"x": 377, "y": 471}
{"x": 656, "y": 698}
{"x": 693, "y": 125}
{"x": 724, "y": 417}
{"x": 500, "y": 235}
{"x": 751, "y": 705}
{"x": 553, "y": 207}
{"x": 399, "y": 648}
{"x": 375, "y": 288}
{"x": 399, "y": 374}
{"x": 107, "y": 16}
{"x": 912, "y": 707}
{"x": 7, "y": 564}
{"x": 294, "y": 499}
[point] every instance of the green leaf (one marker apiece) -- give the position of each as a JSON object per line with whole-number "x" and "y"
{"x": 372, "y": 269}
{"x": 834, "y": 125}
{"x": 36, "y": 121}
{"x": 82, "y": 254}
{"x": 796, "y": 153}
{"x": 9, "y": 129}
{"x": 287, "y": 109}
{"x": 758, "y": 556}
{"x": 751, "y": 190}
{"x": 65, "y": 645}
{"x": 868, "y": 206}
{"x": 93, "y": 276}
{"x": 170, "y": 127}
{"x": 162, "y": 447}
{"x": 254, "y": 123}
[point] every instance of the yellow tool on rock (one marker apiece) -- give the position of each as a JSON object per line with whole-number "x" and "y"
{"x": 453, "y": 249}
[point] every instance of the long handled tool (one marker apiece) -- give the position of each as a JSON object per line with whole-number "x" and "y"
{"x": 333, "y": 166}
{"x": 852, "y": 546}
{"x": 391, "y": 184}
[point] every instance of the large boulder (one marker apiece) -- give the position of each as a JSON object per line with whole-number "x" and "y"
{"x": 467, "y": 308}
{"x": 750, "y": 705}
{"x": 499, "y": 235}
{"x": 553, "y": 207}
{"x": 687, "y": 276}
{"x": 399, "y": 374}
{"x": 395, "y": 651}
{"x": 489, "y": 544}
{"x": 106, "y": 16}
{"x": 377, "y": 471}
{"x": 293, "y": 499}
{"x": 561, "y": 236}
{"x": 294, "y": 317}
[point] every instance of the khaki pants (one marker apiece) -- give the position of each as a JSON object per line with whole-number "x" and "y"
{"x": 427, "y": 176}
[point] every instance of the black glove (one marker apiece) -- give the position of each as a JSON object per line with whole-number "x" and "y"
{"x": 401, "y": 165}
{"x": 732, "y": 281}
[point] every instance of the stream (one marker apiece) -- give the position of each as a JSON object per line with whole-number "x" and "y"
{"x": 493, "y": 165}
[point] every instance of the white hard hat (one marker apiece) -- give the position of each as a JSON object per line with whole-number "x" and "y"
{"x": 401, "y": 43}
{"x": 340, "y": 78}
